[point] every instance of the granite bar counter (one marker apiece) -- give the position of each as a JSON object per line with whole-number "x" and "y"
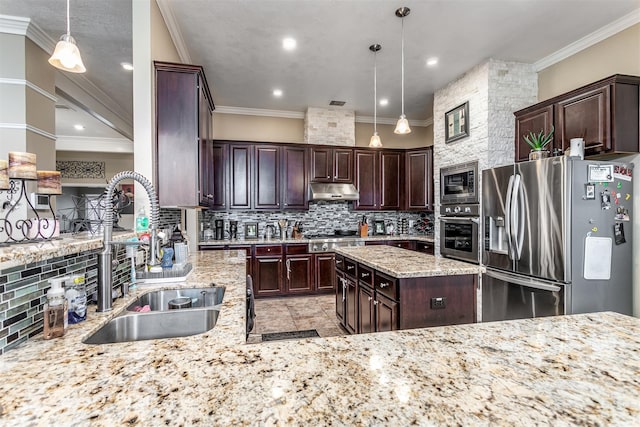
{"x": 403, "y": 263}
{"x": 262, "y": 241}
{"x": 580, "y": 369}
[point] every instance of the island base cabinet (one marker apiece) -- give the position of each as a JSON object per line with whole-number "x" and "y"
{"x": 341, "y": 298}
{"x": 366, "y": 310}
{"x": 325, "y": 278}
{"x": 386, "y": 314}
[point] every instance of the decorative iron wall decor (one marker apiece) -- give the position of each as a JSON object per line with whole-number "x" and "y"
{"x": 81, "y": 169}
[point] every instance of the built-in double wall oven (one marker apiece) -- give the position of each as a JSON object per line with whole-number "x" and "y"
{"x": 460, "y": 212}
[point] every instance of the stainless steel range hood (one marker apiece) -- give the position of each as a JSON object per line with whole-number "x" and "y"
{"x": 332, "y": 191}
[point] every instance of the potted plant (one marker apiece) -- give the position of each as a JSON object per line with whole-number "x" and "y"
{"x": 537, "y": 142}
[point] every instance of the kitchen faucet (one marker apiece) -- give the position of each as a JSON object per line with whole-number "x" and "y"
{"x": 105, "y": 258}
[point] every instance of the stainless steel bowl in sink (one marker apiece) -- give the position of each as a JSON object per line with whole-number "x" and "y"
{"x": 159, "y": 300}
{"x": 149, "y": 326}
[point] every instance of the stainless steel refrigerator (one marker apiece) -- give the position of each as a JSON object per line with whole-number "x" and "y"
{"x": 557, "y": 238}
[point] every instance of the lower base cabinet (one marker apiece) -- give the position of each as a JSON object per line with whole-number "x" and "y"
{"x": 324, "y": 268}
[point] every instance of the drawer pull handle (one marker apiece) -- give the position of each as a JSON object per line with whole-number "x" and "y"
{"x": 365, "y": 275}
{"x": 384, "y": 284}
{"x": 350, "y": 267}
{"x": 375, "y": 302}
{"x": 338, "y": 262}
{"x": 369, "y": 298}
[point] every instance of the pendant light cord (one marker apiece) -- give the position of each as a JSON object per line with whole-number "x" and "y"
{"x": 402, "y": 53}
{"x": 375, "y": 90}
{"x": 68, "y": 27}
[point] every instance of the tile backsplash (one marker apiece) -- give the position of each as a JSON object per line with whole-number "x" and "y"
{"x": 322, "y": 217}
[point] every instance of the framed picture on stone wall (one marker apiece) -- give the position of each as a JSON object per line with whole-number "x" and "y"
{"x": 456, "y": 123}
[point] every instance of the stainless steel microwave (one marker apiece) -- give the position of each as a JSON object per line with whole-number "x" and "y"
{"x": 459, "y": 184}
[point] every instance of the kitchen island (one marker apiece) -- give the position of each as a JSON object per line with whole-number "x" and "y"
{"x": 581, "y": 369}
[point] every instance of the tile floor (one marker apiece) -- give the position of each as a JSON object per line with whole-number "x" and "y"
{"x": 296, "y": 314}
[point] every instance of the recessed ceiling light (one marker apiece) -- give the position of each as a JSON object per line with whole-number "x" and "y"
{"x": 277, "y": 93}
{"x": 289, "y": 43}
{"x": 78, "y": 127}
{"x": 432, "y": 61}
{"x": 127, "y": 66}
{"x": 384, "y": 101}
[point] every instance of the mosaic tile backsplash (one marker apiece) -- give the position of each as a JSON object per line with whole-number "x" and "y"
{"x": 322, "y": 218}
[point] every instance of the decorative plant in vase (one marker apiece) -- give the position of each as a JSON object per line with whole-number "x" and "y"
{"x": 537, "y": 142}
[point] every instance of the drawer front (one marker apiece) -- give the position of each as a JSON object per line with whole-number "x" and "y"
{"x": 350, "y": 267}
{"x": 404, "y": 244}
{"x": 386, "y": 285}
{"x": 339, "y": 262}
{"x": 365, "y": 275}
{"x": 269, "y": 250}
{"x": 425, "y": 247}
{"x": 296, "y": 249}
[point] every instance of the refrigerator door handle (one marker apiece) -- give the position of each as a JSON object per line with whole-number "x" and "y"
{"x": 529, "y": 283}
{"x": 507, "y": 216}
{"x": 519, "y": 214}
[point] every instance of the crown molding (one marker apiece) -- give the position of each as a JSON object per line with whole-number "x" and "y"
{"x": 258, "y": 112}
{"x": 21, "y": 26}
{"x": 22, "y": 82}
{"x": 29, "y": 128}
{"x": 94, "y": 144}
{"x": 393, "y": 121}
{"x": 174, "y": 30}
{"x": 589, "y": 40}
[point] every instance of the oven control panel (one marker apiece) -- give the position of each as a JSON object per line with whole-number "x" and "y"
{"x": 460, "y": 210}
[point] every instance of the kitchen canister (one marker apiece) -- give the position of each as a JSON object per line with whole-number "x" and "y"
{"x": 577, "y": 148}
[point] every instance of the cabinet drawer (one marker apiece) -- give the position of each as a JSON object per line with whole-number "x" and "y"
{"x": 350, "y": 267}
{"x": 339, "y": 262}
{"x": 404, "y": 244}
{"x": 269, "y": 250}
{"x": 296, "y": 249}
{"x": 425, "y": 247}
{"x": 386, "y": 285}
{"x": 365, "y": 274}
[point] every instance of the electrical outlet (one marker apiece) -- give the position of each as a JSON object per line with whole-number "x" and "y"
{"x": 140, "y": 257}
{"x": 439, "y": 302}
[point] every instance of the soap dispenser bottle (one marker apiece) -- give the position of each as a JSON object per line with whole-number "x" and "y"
{"x": 55, "y": 310}
{"x": 142, "y": 221}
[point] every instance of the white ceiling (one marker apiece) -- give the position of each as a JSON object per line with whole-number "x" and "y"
{"x": 239, "y": 44}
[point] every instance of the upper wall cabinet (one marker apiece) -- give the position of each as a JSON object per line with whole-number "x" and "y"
{"x": 605, "y": 114}
{"x": 379, "y": 178}
{"x": 419, "y": 179}
{"x": 331, "y": 165}
{"x": 183, "y": 118}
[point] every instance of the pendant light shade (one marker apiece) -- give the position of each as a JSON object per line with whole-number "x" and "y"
{"x": 375, "y": 141}
{"x": 402, "y": 127}
{"x": 66, "y": 55}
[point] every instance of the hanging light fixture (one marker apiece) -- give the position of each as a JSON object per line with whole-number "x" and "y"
{"x": 375, "y": 139}
{"x": 66, "y": 55}
{"x": 402, "y": 127}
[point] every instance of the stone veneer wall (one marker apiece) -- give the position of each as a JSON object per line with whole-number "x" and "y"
{"x": 23, "y": 291}
{"x": 330, "y": 126}
{"x": 494, "y": 90}
{"x": 321, "y": 218}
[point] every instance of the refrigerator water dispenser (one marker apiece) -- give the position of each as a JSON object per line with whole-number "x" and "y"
{"x": 495, "y": 235}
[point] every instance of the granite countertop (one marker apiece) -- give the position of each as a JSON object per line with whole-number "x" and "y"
{"x": 262, "y": 241}
{"x": 580, "y": 369}
{"x": 403, "y": 263}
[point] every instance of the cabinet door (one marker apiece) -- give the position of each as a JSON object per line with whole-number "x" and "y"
{"x": 341, "y": 295}
{"x": 366, "y": 177}
{"x": 343, "y": 165}
{"x": 325, "y": 265}
{"x": 586, "y": 116}
{"x": 404, "y": 244}
{"x": 299, "y": 273}
{"x": 419, "y": 180}
{"x": 267, "y": 275}
{"x": 218, "y": 184}
{"x": 239, "y": 176}
{"x": 294, "y": 178}
{"x": 321, "y": 164}
{"x": 207, "y": 172}
{"x": 204, "y": 112}
{"x": 391, "y": 180}
{"x": 386, "y": 312}
{"x": 366, "y": 312}
{"x": 351, "y": 306}
{"x": 540, "y": 119}
{"x": 267, "y": 177}
{"x": 177, "y": 137}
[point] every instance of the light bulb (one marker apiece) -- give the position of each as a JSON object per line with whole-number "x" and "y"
{"x": 402, "y": 127}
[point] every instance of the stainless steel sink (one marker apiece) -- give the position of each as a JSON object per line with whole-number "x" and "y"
{"x": 155, "y": 325}
{"x": 159, "y": 300}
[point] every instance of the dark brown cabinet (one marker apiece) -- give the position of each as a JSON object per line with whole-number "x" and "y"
{"x": 605, "y": 114}
{"x": 340, "y": 293}
{"x": 294, "y": 178}
{"x": 267, "y": 270}
{"x": 213, "y": 174}
{"x": 266, "y": 177}
{"x": 366, "y": 310}
{"x": 183, "y": 118}
{"x": 298, "y": 269}
{"x": 324, "y": 267}
{"x": 386, "y": 314}
{"x": 331, "y": 165}
{"x": 347, "y": 296}
{"x": 419, "y": 179}
{"x": 404, "y": 244}
{"x": 425, "y": 247}
{"x": 239, "y": 185}
{"x": 379, "y": 179}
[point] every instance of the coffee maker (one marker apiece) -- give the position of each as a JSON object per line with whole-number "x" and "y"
{"x": 219, "y": 229}
{"x": 233, "y": 230}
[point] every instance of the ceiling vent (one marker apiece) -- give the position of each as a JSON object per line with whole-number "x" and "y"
{"x": 338, "y": 103}
{"x": 62, "y": 107}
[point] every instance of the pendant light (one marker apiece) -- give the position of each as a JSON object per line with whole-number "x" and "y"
{"x": 66, "y": 55}
{"x": 375, "y": 139}
{"x": 402, "y": 127}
